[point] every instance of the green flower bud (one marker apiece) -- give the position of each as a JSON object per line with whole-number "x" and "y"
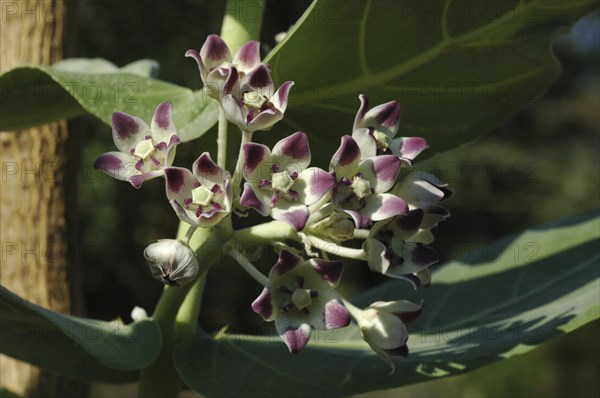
{"x": 172, "y": 262}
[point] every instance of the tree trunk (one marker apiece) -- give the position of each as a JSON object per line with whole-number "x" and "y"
{"x": 32, "y": 196}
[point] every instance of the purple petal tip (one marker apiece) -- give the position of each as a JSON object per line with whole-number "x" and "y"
{"x": 335, "y": 315}
{"x": 124, "y": 125}
{"x": 287, "y": 261}
{"x": 263, "y": 304}
{"x": 107, "y": 162}
{"x": 175, "y": 179}
{"x": 296, "y": 338}
{"x": 162, "y": 116}
{"x": 330, "y": 271}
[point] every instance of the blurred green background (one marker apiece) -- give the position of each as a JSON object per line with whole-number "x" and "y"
{"x": 542, "y": 164}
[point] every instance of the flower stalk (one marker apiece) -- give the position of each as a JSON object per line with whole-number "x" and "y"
{"x": 248, "y": 267}
{"x": 177, "y": 311}
{"x": 237, "y": 174}
{"x": 333, "y": 248}
{"x": 222, "y": 140}
{"x": 177, "y": 315}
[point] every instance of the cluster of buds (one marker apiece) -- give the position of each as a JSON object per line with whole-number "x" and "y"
{"x": 367, "y": 206}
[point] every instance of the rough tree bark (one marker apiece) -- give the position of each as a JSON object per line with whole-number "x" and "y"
{"x": 32, "y": 192}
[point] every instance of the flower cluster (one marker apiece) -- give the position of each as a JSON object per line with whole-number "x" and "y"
{"x": 243, "y": 84}
{"x": 368, "y": 205}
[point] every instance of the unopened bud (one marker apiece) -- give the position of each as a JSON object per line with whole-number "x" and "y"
{"x": 172, "y": 262}
{"x": 337, "y": 227}
{"x": 139, "y": 314}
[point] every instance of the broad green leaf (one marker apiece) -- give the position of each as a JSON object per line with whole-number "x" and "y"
{"x": 32, "y": 95}
{"x": 79, "y": 348}
{"x": 497, "y": 301}
{"x": 142, "y": 67}
{"x": 458, "y": 68}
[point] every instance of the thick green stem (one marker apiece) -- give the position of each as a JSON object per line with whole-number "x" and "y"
{"x": 161, "y": 378}
{"x": 177, "y": 311}
{"x": 186, "y": 321}
{"x": 273, "y": 231}
{"x": 242, "y": 22}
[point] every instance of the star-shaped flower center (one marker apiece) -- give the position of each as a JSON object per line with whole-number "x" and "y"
{"x": 282, "y": 181}
{"x": 301, "y": 298}
{"x": 202, "y": 196}
{"x": 360, "y": 187}
{"x": 254, "y": 100}
{"x": 382, "y": 140}
{"x": 298, "y": 296}
{"x": 144, "y": 149}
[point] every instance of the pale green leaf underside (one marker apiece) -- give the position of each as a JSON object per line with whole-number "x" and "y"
{"x": 34, "y": 95}
{"x": 80, "y": 348}
{"x": 456, "y": 77}
{"x": 500, "y": 300}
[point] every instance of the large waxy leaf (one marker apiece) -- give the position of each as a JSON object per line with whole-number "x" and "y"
{"x": 458, "y": 68}
{"x": 33, "y": 95}
{"x": 79, "y": 348}
{"x": 495, "y": 302}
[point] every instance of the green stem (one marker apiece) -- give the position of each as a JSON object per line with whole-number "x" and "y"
{"x": 249, "y": 268}
{"x": 161, "y": 378}
{"x": 186, "y": 321}
{"x": 177, "y": 312}
{"x": 188, "y": 235}
{"x": 361, "y": 233}
{"x": 338, "y": 250}
{"x": 237, "y": 174}
{"x": 321, "y": 203}
{"x": 273, "y": 231}
{"x": 242, "y": 22}
{"x": 222, "y": 139}
{"x": 320, "y": 214}
{"x": 354, "y": 311}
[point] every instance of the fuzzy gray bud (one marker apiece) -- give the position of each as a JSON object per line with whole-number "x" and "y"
{"x": 172, "y": 262}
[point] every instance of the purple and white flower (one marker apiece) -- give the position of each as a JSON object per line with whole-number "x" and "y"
{"x": 201, "y": 197}
{"x": 374, "y": 131}
{"x": 300, "y": 296}
{"x": 393, "y": 249}
{"x": 362, "y": 184}
{"x": 249, "y": 100}
{"x": 279, "y": 184}
{"x": 214, "y": 61}
{"x": 144, "y": 150}
{"x": 382, "y": 327}
{"x": 399, "y": 247}
{"x": 242, "y": 84}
